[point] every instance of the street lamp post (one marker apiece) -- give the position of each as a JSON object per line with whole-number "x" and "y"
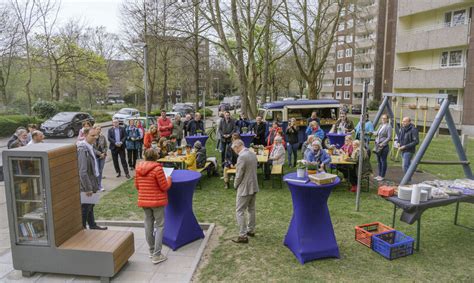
{"x": 145, "y": 80}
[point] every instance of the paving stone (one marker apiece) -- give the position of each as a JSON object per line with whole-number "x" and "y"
{"x": 15, "y": 276}
{"x": 48, "y": 277}
{"x": 85, "y": 279}
{"x": 170, "y": 277}
{"x": 133, "y": 276}
{"x": 6, "y": 257}
{"x": 5, "y": 269}
{"x": 190, "y": 249}
{"x": 175, "y": 264}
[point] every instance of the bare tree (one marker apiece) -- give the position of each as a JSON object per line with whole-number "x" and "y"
{"x": 9, "y": 44}
{"x": 27, "y": 15}
{"x": 240, "y": 29}
{"x": 310, "y": 26}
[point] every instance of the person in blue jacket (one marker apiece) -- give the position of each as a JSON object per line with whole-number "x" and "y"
{"x": 369, "y": 130}
{"x": 316, "y": 155}
{"x": 313, "y": 129}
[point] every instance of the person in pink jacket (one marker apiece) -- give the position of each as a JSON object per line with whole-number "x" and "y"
{"x": 165, "y": 126}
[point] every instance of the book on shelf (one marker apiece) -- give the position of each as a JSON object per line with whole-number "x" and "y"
{"x": 31, "y": 230}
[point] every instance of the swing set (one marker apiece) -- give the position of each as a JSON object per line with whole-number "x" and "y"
{"x": 443, "y": 112}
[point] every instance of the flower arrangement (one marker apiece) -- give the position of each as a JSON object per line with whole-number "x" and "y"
{"x": 300, "y": 168}
{"x": 198, "y": 132}
{"x": 245, "y": 130}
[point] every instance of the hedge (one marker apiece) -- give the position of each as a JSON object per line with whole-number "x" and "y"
{"x": 9, "y": 123}
{"x": 101, "y": 116}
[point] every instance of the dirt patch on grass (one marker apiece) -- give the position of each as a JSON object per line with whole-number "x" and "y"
{"x": 211, "y": 245}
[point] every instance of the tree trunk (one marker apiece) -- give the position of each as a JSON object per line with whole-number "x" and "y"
{"x": 196, "y": 50}
{"x": 3, "y": 89}
{"x": 266, "y": 62}
{"x": 165, "y": 83}
{"x": 312, "y": 90}
{"x": 28, "y": 82}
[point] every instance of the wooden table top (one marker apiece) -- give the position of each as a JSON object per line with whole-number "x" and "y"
{"x": 339, "y": 160}
{"x": 169, "y": 158}
{"x": 261, "y": 158}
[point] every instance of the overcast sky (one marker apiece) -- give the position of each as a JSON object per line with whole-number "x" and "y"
{"x": 93, "y": 13}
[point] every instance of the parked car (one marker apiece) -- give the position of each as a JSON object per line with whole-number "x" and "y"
{"x": 124, "y": 113}
{"x": 224, "y": 106}
{"x": 151, "y": 121}
{"x": 65, "y": 124}
{"x": 356, "y": 109}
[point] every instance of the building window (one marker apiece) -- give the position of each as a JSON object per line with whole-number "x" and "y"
{"x": 340, "y": 40}
{"x": 357, "y": 94}
{"x": 349, "y": 38}
{"x": 340, "y": 27}
{"x": 348, "y": 67}
{"x": 347, "y": 81}
{"x": 452, "y": 96}
{"x": 347, "y": 94}
{"x": 451, "y": 59}
{"x": 338, "y": 95}
{"x": 349, "y": 52}
{"x": 366, "y": 66}
{"x": 340, "y": 54}
{"x": 339, "y": 68}
{"x": 338, "y": 81}
{"x": 455, "y": 18}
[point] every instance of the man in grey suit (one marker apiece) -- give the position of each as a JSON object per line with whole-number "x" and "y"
{"x": 88, "y": 175}
{"x": 246, "y": 184}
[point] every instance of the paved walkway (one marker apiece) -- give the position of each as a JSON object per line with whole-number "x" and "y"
{"x": 179, "y": 267}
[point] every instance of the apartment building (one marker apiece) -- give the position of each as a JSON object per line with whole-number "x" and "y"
{"x": 352, "y": 59}
{"x": 427, "y": 51}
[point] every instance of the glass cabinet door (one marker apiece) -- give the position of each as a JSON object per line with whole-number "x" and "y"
{"x": 29, "y": 200}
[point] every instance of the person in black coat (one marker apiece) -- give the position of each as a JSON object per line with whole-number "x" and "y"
{"x": 116, "y": 136}
{"x": 226, "y": 129}
{"x": 293, "y": 143}
{"x": 407, "y": 140}
{"x": 196, "y": 125}
{"x": 259, "y": 130}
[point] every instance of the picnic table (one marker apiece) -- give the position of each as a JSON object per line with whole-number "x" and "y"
{"x": 412, "y": 212}
{"x": 262, "y": 159}
{"x": 310, "y": 234}
{"x": 173, "y": 159}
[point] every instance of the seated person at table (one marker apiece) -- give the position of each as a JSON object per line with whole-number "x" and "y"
{"x": 163, "y": 145}
{"x": 351, "y": 173}
{"x": 201, "y": 159}
{"x": 343, "y": 124}
{"x": 154, "y": 146}
{"x": 307, "y": 143}
{"x": 316, "y": 155}
{"x": 150, "y": 136}
{"x": 190, "y": 158}
{"x": 347, "y": 148}
{"x": 230, "y": 160}
{"x": 276, "y": 157}
{"x": 313, "y": 129}
{"x": 172, "y": 144}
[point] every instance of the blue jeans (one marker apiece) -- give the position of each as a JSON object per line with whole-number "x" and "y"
{"x": 100, "y": 166}
{"x": 382, "y": 161}
{"x": 406, "y": 160}
{"x": 292, "y": 151}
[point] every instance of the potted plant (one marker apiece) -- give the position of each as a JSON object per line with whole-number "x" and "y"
{"x": 198, "y": 132}
{"x": 311, "y": 169}
{"x": 245, "y": 130}
{"x": 300, "y": 169}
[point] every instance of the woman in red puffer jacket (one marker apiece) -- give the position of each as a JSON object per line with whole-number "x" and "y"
{"x": 152, "y": 186}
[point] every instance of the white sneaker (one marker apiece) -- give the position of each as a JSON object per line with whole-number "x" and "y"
{"x": 158, "y": 258}
{"x": 377, "y": 178}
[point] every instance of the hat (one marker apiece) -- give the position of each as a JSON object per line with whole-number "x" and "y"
{"x": 316, "y": 142}
{"x": 197, "y": 145}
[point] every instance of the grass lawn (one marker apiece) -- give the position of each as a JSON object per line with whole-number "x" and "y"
{"x": 447, "y": 251}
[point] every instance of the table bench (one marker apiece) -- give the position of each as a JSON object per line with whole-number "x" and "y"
{"x": 277, "y": 170}
{"x": 200, "y": 170}
{"x": 412, "y": 212}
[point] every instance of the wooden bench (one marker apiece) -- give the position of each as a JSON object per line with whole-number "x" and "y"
{"x": 231, "y": 171}
{"x": 100, "y": 253}
{"x": 200, "y": 170}
{"x": 277, "y": 170}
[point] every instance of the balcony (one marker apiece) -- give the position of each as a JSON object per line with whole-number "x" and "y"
{"x": 359, "y": 87}
{"x": 364, "y": 58}
{"x": 328, "y": 75}
{"x": 409, "y": 78}
{"x": 364, "y": 42}
{"x": 366, "y": 27}
{"x": 411, "y": 7}
{"x": 363, "y": 73}
{"x": 327, "y": 88}
{"x": 432, "y": 37}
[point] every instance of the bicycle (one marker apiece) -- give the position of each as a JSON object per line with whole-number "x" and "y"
{"x": 212, "y": 131}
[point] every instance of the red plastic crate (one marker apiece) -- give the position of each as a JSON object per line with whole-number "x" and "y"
{"x": 363, "y": 233}
{"x": 386, "y": 191}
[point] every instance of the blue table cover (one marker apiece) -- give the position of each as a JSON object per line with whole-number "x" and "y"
{"x": 181, "y": 226}
{"x": 336, "y": 139}
{"x": 192, "y": 139}
{"x": 310, "y": 234}
{"x": 247, "y": 139}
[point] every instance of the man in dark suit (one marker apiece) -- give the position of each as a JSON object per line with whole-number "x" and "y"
{"x": 259, "y": 130}
{"x": 116, "y": 137}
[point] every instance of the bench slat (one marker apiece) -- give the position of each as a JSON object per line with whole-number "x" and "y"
{"x": 277, "y": 169}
